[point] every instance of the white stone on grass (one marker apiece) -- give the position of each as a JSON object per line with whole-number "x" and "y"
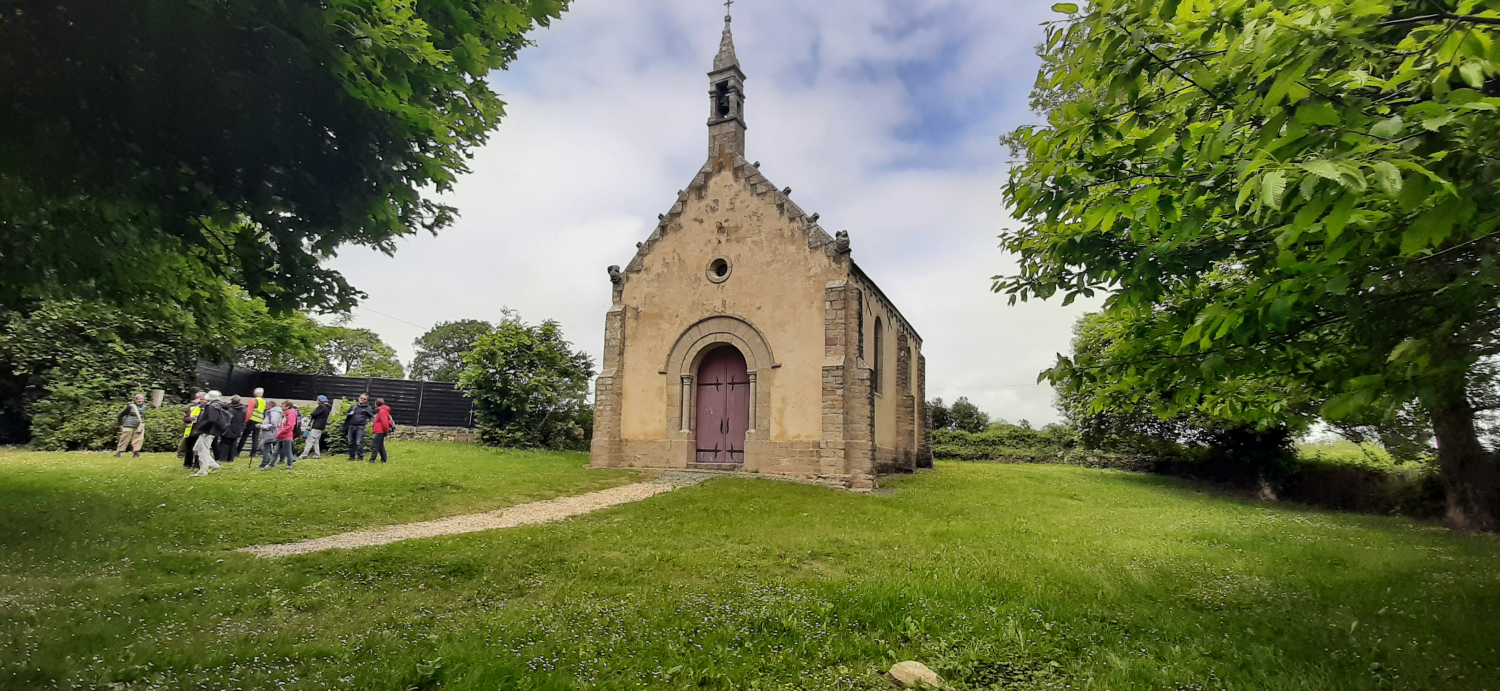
{"x": 915, "y": 675}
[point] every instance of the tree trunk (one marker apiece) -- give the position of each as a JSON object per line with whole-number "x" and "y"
{"x": 1470, "y": 476}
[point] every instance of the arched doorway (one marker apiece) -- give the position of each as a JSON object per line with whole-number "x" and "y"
{"x": 723, "y": 406}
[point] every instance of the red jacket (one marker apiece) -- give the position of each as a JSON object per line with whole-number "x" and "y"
{"x": 383, "y": 423}
{"x": 288, "y": 429}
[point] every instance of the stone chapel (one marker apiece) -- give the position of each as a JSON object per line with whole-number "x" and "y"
{"x": 743, "y": 337}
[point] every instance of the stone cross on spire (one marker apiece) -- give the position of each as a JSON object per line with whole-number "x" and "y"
{"x": 726, "y": 119}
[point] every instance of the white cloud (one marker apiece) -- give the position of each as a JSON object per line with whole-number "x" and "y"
{"x": 883, "y": 117}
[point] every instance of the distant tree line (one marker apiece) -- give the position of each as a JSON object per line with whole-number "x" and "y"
{"x": 963, "y": 416}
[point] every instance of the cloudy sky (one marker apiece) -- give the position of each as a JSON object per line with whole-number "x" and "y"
{"x": 883, "y": 115}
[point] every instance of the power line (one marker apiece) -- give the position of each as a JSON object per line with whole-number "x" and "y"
{"x": 387, "y": 316}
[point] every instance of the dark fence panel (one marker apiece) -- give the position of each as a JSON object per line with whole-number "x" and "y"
{"x": 309, "y": 386}
{"x": 443, "y": 405}
{"x": 226, "y": 378}
{"x": 428, "y": 404}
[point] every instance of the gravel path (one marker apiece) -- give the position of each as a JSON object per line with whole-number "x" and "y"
{"x": 525, "y": 514}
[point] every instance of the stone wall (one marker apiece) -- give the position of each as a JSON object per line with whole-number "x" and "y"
{"x": 608, "y": 398}
{"x": 449, "y": 434}
{"x": 896, "y": 406}
{"x": 924, "y": 416}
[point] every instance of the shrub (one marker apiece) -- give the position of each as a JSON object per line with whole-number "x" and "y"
{"x": 95, "y": 427}
{"x": 334, "y": 441}
{"x": 1002, "y": 440}
{"x": 1406, "y": 490}
{"x": 1003, "y": 443}
{"x": 59, "y": 357}
{"x": 530, "y": 389}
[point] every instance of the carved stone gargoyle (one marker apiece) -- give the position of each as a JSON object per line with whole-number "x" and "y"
{"x": 841, "y": 242}
{"x": 616, "y": 276}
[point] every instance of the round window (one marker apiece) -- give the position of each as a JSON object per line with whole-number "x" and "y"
{"x": 719, "y": 270}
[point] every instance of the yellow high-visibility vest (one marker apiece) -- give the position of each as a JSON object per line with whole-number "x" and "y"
{"x": 258, "y": 411}
{"x": 194, "y": 411}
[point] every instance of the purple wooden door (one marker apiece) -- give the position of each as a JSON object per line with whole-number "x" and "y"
{"x": 723, "y": 407}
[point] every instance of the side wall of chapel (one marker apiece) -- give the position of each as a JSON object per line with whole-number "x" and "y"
{"x": 898, "y": 382}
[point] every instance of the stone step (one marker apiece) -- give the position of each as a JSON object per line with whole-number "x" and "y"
{"x": 722, "y": 467}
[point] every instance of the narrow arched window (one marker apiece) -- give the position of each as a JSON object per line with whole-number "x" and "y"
{"x": 878, "y": 365}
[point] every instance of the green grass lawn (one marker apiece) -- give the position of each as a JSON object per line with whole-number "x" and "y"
{"x": 123, "y": 575}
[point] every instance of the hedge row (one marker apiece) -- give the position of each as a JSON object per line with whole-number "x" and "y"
{"x": 96, "y": 427}
{"x": 1405, "y": 491}
{"x": 1415, "y": 491}
{"x": 1009, "y": 444}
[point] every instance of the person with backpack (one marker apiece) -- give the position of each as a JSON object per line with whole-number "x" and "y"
{"x": 318, "y": 420}
{"x": 229, "y": 444}
{"x": 211, "y": 424}
{"x": 286, "y": 434}
{"x": 382, "y": 426}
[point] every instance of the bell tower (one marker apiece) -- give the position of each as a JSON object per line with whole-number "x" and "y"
{"x": 726, "y": 95}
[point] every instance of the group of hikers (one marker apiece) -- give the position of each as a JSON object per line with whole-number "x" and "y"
{"x": 218, "y": 430}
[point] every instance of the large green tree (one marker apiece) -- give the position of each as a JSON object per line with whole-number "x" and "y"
{"x": 1282, "y": 190}
{"x": 967, "y": 417}
{"x": 530, "y": 388}
{"x": 1245, "y": 445}
{"x": 292, "y": 342}
{"x": 152, "y": 146}
{"x": 296, "y": 343}
{"x": 360, "y": 353}
{"x": 441, "y": 351}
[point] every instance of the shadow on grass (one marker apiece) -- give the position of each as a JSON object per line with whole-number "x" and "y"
{"x": 1353, "y": 493}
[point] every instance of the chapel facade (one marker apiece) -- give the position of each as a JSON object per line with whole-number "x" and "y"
{"x": 743, "y": 337}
